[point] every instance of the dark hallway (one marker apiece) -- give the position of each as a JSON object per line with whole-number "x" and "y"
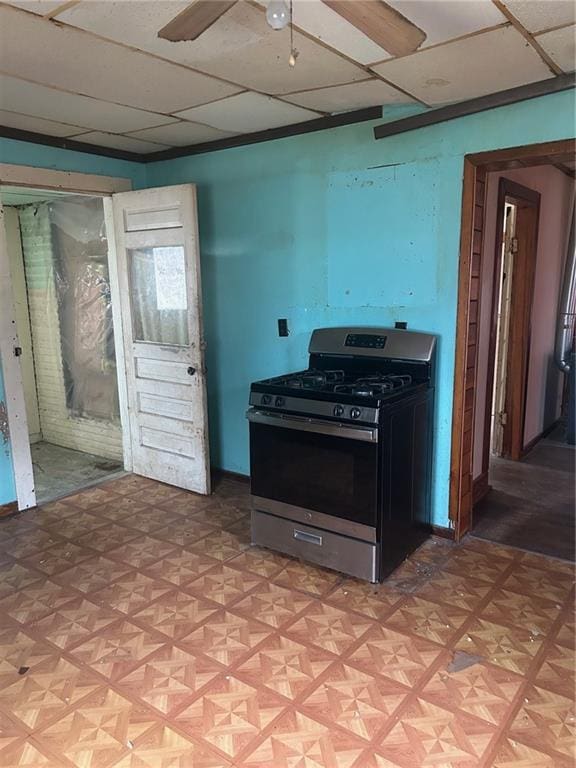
{"x": 532, "y": 502}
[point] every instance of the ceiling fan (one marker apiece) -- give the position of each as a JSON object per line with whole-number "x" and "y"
{"x": 377, "y": 20}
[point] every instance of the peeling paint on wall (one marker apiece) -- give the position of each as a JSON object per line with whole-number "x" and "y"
{"x": 4, "y": 431}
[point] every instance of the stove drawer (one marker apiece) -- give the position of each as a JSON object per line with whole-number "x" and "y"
{"x": 331, "y": 550}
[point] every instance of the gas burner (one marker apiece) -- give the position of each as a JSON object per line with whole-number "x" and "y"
{"x": 371, "y": 386}
{"x": 314, "y": 379}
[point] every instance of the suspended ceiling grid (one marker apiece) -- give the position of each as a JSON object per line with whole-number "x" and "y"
{"x": 96, "y": 71}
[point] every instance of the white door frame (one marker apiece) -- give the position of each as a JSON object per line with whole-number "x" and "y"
{"x": 66, "y": 181}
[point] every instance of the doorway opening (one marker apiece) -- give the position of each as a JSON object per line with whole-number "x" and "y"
{"x": 513, "y": 474}
{"x": 58, "y": 257}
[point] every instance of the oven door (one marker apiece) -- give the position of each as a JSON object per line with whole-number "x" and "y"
{"x": 318, "y": 472}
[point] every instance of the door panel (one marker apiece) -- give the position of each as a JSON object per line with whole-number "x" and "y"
{"x": 159, "y": 277}
{"x": 15, "y": 426}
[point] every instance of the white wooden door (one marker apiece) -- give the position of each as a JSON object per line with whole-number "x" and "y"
{"x": 13, "y": 422}
{"x": 159, "y": 279}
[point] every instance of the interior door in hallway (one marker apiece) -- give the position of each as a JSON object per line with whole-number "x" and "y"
{"x": 156, "y": 235}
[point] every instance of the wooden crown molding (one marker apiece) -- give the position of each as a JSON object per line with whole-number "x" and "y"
{"x": 480, "y": 104}
{"x": 298, "y": 129}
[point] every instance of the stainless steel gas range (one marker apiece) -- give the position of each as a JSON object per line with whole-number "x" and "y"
{"x": 340, "y": 454}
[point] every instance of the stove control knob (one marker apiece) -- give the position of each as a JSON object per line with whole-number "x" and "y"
{"x": 279, "y": 402}
{"x": 266, "y": 400}
{"x": 355, "y": 413}
{"x": 338, "y": 410}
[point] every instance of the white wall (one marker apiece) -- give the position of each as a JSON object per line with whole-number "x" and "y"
{"x": 20, "y": 298}
{"x": 544, "y": 380}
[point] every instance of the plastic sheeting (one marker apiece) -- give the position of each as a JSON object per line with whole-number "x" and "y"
{"x": 78, "y": 281}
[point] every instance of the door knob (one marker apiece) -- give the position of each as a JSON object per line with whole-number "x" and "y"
{"x": 191, "y": 370}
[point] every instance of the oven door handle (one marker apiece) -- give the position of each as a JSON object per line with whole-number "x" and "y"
{"x": 366, "y": 434}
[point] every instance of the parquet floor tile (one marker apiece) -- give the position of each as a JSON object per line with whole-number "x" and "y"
{"x": 224, "y": 585}
{"x": 368, "y": 599}
{"x": 308, "y": 578}
{"x": 510, "y": 647}
{"x": 231, "y": 714}
{"x": 515, "y": 754}
{"x": 480, "y": 690}
{"x": 427, "y": 736}
{"x": 272, "y": 603}
{"x": 91, "y": 575}
{"x": 13, "y": 577}
{"x": 260, "y": 561}
{"x": 394, "y": 655}
{"x": 558, "y": 670}
{"x": 169, "y": 678}
{"x": 285, "y": 666}
{"x": 25, "y": 754}
{"x": 100, "y": 731}
{"x": 546, "y": 720}
{"x": 116, "y": 649}
{"x": 424, "y": 618}
{"x": 298, "y": 740}
{"x": 73, "y": 622}
{"x": 328, "y": 627}
{"x": 142, "y": 551}
{"x": 36, "y": 601}
{"x": 175, "y": 614}
{"x": 181, "y": 567}
{"x": 139, "y": 629}
{"x": 165, "y": 748}
{"x": 358, "y": 702}
{"x": 59, "y": 557}
{"x": 46, "y": 692}
{"x": 226, "y": 637}
{"x": 553, "y": 584}
{"x": 18, "y": 649}
{"x": 131, "y": 592}
{"x": 528, "y": 611}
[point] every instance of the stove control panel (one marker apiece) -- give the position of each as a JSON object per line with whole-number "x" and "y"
{"x": 315, "y": 408}
{"x": 365, "y": 341}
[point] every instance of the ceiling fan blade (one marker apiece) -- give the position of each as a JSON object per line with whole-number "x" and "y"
{"x": 192, "y": 21}
{"x": 381, "y": 23}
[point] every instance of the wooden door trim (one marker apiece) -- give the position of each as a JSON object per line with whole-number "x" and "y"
{"x": 475, "y": 167}
{"x": 507, "y": 189}
{"x": 518, "y": 360}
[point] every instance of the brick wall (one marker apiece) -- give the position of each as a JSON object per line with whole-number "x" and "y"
{"x": 57, "y": 425}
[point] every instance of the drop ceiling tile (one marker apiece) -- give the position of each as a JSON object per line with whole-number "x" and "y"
{"x": 542, "y": 14}
{"x": 49, "y": 104}
{"x": 37, "y": 124}
{"x": 443, "y": 20}
{"x": 475, "y": 66}
{"x": 76, "y": 61}
{"x": 560, "y": 45}
{"x": 326, "y": 25}
{"x": 341, "y": 98}
{"x": 239, "y": 47}
{"x": 41, "y": 7}
{"x": 126, "y": 143}
{"x": 248, "y": 112}
{"x": 182, "y": 134}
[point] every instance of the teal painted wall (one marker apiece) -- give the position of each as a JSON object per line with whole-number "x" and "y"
{"x": 21, "y": 153}
{"x": 325, "y": 229}
{"x": 337, "y": 228}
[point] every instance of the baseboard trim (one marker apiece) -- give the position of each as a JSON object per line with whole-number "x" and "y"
{"x": 443, "y": 532}
{"x": 480, "y": 488}
{"x": 224, "y": 473}
{"x": 545, "y": 432}
{"x": 8, "y": 509}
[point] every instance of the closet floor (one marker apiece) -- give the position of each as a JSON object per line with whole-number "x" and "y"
{"x": 59, "y": 471}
